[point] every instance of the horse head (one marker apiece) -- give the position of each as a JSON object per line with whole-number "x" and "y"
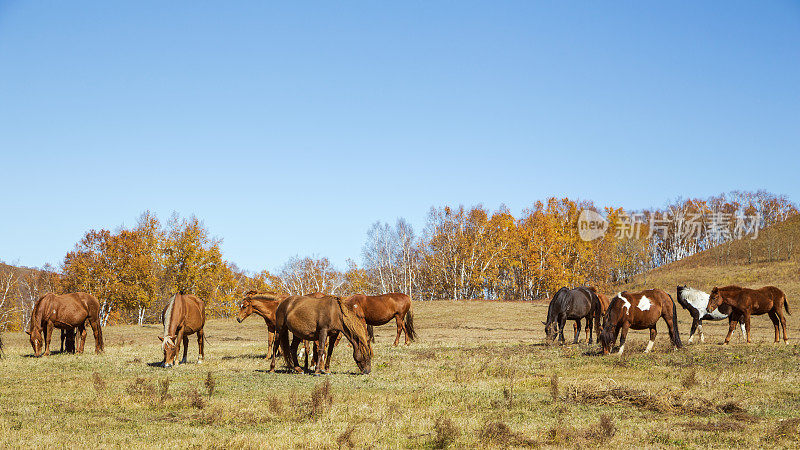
{"x": 37, "y": 341}
{"x": 550, "y": 330}
{"x": 169, "y": 348}
{"x": 714, "y": 300}
{"x": 356, "y": 331}
{"x": 245, "y": 309}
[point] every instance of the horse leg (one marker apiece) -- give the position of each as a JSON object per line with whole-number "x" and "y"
{"x": 623, "y": 336}
{"x": 400, "y": 328}
{"x": 333, "y": 339}
{"x": 319, "y": 354}
{"x": 695, "y": 323}
{"x": 783, "y": 325}
{"x": 48, "y": 335}
{"x": 775, "y": 323}
{"x": 731, "y": 325}
{"x": 201, "y": 341}
{"x": 275, "y": 344}
{"x": 97, "y": 332}
{"x": 82, "y": 331}
{"x": 562, "y": 321}
{"x": 63, "y": 338}
{"x": 293, "y": 355}
{"x": 589, "y": 330}
{"x": 653, "y": 333}
{"x": 577, "y": 328}
{"x": 747, "y": 325}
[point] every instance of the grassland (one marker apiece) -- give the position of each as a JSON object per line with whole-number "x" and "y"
{"x": 479, "y": 375}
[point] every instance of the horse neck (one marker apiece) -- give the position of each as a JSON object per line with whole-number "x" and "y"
{"x": 176, "y": 316}
{"x": 38, "y": 313}
{"x": 264, "y": 307}
{"x": 551, "y": 310}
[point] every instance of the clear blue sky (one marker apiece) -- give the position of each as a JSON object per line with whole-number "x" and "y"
{"x": 289, "y": 128}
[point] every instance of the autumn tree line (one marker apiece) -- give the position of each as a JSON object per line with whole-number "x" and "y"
{"x": 462, "y": 253}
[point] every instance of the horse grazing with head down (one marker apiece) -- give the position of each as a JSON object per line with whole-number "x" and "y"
{"x": 315, "y": 319}
{"x": 380, "y": 309}
{"x": 184, "y": 315}
{"x": 66, "y": 312}
{"x": 751, "y": 302}
{"x": 638, "y": 310}
{"x": 573, "y": 304}
{"x": 696, "y": 301}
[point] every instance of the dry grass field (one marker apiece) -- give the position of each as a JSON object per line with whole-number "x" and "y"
{"x": 480, "y": 375}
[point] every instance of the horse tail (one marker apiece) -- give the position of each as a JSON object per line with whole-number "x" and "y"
{"x": 676, "y": 335}
{"x": 409, "y": 323}
{"x": 786, "y": 305}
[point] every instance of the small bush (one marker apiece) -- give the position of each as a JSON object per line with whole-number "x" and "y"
{"x": 275, "y": 405}
{"x": 690, "y": 380}
{"x": 321, "y": 398}
{"x": 498, "y": 433}
{"x": 210, "y": 384}
{"x": 554, "y": 390}
{"x": 345, "y": 440}
{"x": 164, "y": 385}
{"x": 98, "y": 383}
{"x": 445, "y": 433}
{"x": 141, "y": 388}
{"x": 195, "y": 399}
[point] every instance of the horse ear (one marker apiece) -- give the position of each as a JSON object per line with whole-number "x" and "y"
{"x": 28, "y": 332}
{"x": 544, "y": 323}
{"x": 161, "y": 338}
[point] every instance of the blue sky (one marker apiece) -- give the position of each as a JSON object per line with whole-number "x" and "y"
{"x": 290, "y": 128}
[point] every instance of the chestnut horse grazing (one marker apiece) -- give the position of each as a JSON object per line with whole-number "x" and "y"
{"x": 66, "y": 312}
{"x": 747, "y": 302}
{"x": 380, "y": 309}
{"x": 185, "y": 314}
{"x": 314, "y": 319}
{"x": 638, "y": 310}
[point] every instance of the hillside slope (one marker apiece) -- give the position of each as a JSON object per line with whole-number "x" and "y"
{"x": 770, "y": 259}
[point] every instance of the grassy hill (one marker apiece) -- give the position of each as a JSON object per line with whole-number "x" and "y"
{"x": 770, "y": 259}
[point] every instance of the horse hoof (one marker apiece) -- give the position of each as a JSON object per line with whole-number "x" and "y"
{"x": 298, "y": 370}
{"x": 199, "y": 361}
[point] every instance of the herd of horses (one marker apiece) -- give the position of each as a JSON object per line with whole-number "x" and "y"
{"x": 642, "y": 310}
{"x": 321, "y": 320}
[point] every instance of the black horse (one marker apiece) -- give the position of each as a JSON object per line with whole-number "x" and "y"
{"x": 573, "y": 304}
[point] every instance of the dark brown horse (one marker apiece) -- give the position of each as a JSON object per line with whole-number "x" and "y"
{"x": 751, "y": 302}
{"x": 380, "y": 309}
{"x": 184, "y": 315}
{"x": 66, "y": 312}
{"x": 314, "y": 319}
{"x": 572, "y": 304}
{"x": 638, "y": 310}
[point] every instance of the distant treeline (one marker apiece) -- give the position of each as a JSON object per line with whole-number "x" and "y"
{"x": 461, "y": 253}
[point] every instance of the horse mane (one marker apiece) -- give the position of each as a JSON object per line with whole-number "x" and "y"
{"x": 167, "y": 318}
{"x": 266, "y": 295}
{"x": 353, "y": 324}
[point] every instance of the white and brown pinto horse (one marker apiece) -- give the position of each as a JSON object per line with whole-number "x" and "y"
{"x": 696, "y": 301}
{"x": 639, "y": 311}
{"x": 751, "y": 302}
{"x": 184, "y": 315}
{"x": 380, "y": 309}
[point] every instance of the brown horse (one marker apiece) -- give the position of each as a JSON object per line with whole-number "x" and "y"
{"x": 264, "y": 304}
{"x": 185, "y": 314}
{"x": 638, "y": 310}
{"x": 380, "y": 309}
{"x": 314, "y": 319}
{"x": 751, "y": 302}
{"x": 65, "y": 312}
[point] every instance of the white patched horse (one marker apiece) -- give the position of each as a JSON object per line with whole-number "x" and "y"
{"x": 695, "y": 301}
